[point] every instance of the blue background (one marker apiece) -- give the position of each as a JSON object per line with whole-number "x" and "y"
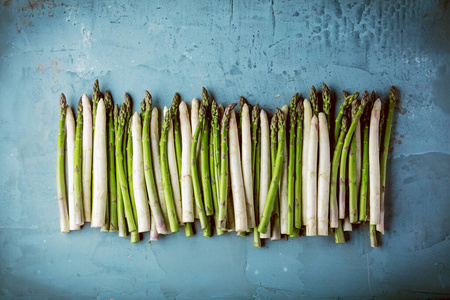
{"x": 265, "y": 51}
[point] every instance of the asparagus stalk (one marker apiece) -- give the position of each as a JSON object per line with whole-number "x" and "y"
{"x": 60, "y": 168}
{"x": 358, "y": 155}
{"x": 339, "y": 233}
{"x": 306, "y": 128}
{"x": 323, "y": 189}
{"x": 247, "y": 165}
{"x": 120, "y": 164}
{"x": 237, "y": 184}
{"x": 352, "y": 184}
{"x": 186, "y": 180}
{"x": 270, "y": 201}
{"x": 96, "y": 95}
{"x": 172, "y": 161}
{"x": 348, "y": 99}
{"x": 77, "y": 187}
{"x": 256, "y": 234}
{"x": 100, "y": 181}
{"x": 347, "y": 224}
{"x": 113, "y": 218}
{"x": 384, "y": 155}
{"x": 140, "y": 192}
{"x": 334, "y": 212}
{"x": 365, "y": 166}
{"x": 122, "y": 225}
{"x": 168, "y": 192}
{"x": 204, "y": 156}
{"x": 129, "y": 151}
{"x": 292, "y": 164}
{"x": 87, "y": 158}
{"x": 342, "y": 176}
{"x": 314, "y": 100}
{"x": 195, "y": 106}
{"x": 154, "y": 236}
{"x": 157, "y": 217}
{"x": 177, "y": 132}
{"x": 374, "y": 164}
{"x": 108, "y": 107}
{"x": 214, "y": 184}
{"x": 283, "y": 188}
{"x": 194, "y": 170}
{"x": 70, "y": 124}
{"x": 298, "y": 167}
{"x": 224, "y": 176}
{"x": 276, "y": 230}
{"x": 154, "y": 138}
{"x": 311, "y": 179}
{"x": 215, "y": 130}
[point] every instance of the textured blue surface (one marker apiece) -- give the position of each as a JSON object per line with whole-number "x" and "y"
{"x": 265, "y": 51}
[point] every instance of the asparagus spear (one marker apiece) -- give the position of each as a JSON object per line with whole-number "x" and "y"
{"x": 268, "y": 206}
{"x": 276, "y": 230}
{"x": 384, "y": 155}
{"x": 186, "y": 179}
{"x": 194, "y": 170}
{"x": 134, "y": 236}
{"x": 108, "y": 107}
{"x": 339, "y": 233}
{"x": 154, "y": 138}
{"x": 348, "y": 138}
{"x": 374, "y": 164}
{"x": 256, "y": 235}
{"x": 204, "y": 156}
{"x": 70, "y": 124}
{"x": 306, "y": 128}
{"x": 352, "y": 187}
{"x": 323, "y": 189}
{"x": 237, "y": 184}
{"x": 223, "y": 196}
{"x": 95, "y": 99}
{"x": 298, "y": 167}
{"x": 247, "y": 165}
{"x": 266, "y": 168}
{"x": 156, "y": 213}
{"x": 214, "y": 184}
{"x": 365, "y": 164}
{"x": 195, "y": 107}
{"x": 292, "y": 163}
{"x": 60, "y": 168}
{"x": 168, "y": 193}
{"x": 311, "y": 179}
{"x": 77, "y": 188}
{"x": 122, "y": 225}
{"x": 113, "y": 219}
{"x": 215, "y": 131}
{"x": 87, "y": 158}
{"x": 120, "y": 164}
{"x": 348, "y": 99}
{"x": 283, "y": 188}
{"x": 334, "y": 213}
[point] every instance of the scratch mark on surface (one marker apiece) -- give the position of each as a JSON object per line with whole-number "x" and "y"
{"x": 368, "y": 273}
{"x": 273, "y": 20}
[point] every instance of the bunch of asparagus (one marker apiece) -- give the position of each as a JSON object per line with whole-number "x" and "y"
{"x": 234, "y": 172}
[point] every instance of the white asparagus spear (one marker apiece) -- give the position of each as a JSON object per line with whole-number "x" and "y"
{"x": 154, "y": 236}
{"x": 139, "y": 188}
{"x": 306, "y": 126}
{"x": 247, "y": 165}
{"x": 187, "y": 200}
{"x": 86, "y": 160}
{"x": 283, "y": 186}
{"x": 195, "y": 106}
{"x": 154, "y": 137}
{"x": 311, "y": 179}
{"x": 374, "y": 163}
{"x": 173, "y": 170}
{"x": 70, "y": 124}
{"x": 100, "y": 168}
{"x": 323, "y": 189}
{"x": 266, "y": 168}
{"x": 358, "y": 157}
{"x": 237, "y": 184}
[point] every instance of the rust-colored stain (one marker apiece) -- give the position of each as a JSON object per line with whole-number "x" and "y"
{"x": 7, "y": 2}
{"x": 40, "y": 68}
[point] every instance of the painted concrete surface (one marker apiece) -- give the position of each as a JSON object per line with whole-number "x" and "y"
{"x": 266, "y": 51}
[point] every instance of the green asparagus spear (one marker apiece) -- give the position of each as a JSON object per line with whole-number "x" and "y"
{"x": 339, "y": 233}
{"x": 77, "y": 188}
{"x": 176, "y": 130}
{"x": 168, "y": 193}
{"x": 224, "y": 167}
{"x": 298, "y": 167}
{"x": 326, "y": 97}
{"x": 60, "y": 168}
{"x": 95, "y": 99}
{"x": 214, "y": 184}
{"x": 257, "y": 168}
{"x": 122, "y": 225}
{"x": 276, "y": 225}
{"x": 204, "y": 156}
{"x": 352, "y": 192}
{"x": 273, "y": 188}
{"x": 348, "y": 99}
{"x": 292, "y": 164}
{"x": 146, "y": 107}
{"x": 135, "y": 237}
{"x": 314, "y": 100}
